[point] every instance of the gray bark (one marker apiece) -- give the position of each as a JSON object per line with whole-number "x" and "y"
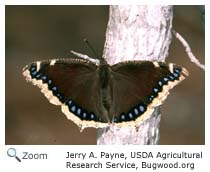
{"x": 136, "y": 33}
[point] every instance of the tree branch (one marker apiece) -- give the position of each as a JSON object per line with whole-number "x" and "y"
{"x": 188, "y": 50}
{"x": 136, "y": 33}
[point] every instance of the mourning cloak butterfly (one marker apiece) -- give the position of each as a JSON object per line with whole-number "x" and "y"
{"x": 96, "y": 95}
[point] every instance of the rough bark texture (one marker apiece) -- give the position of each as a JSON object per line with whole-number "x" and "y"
{"x": 136, "y": 33}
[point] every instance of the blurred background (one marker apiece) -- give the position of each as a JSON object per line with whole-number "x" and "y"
{"x": 45, "y": 32}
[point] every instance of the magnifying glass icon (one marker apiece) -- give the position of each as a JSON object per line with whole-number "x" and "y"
{"x": 11, "y": 152}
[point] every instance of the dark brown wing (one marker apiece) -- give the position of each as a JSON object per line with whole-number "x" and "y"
{"x": 72, "y": 84}
{"x": 140, "y": 86}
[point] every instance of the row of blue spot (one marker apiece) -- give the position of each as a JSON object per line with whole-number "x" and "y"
{"x": 133, "y": 114}
{"x": 80, "y": 112}
{"x": 158, "y": 88}
{"x": 84, "y": 115}
{"x": 39, "y": 76}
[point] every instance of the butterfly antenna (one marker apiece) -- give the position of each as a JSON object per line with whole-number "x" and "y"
{"x": 90, "y": 46}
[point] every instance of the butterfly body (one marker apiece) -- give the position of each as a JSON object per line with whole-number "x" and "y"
{"x": 96, "y": 95}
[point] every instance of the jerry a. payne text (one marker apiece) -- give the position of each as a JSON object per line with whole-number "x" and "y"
{"x": 125, "y": 160}
{"x": 110, "y": 156}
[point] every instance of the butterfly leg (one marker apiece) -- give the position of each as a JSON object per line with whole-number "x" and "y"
{"x": 86, "y": 57}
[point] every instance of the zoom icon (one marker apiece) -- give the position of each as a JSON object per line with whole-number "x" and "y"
{"x": 11, "y": 152}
